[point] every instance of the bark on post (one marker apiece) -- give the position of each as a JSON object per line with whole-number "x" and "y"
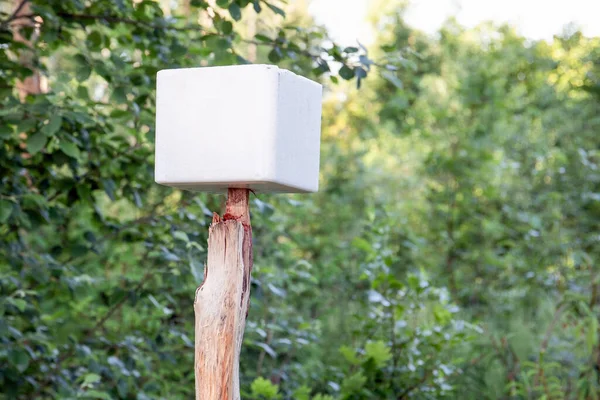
{"x": 221, "y": 303}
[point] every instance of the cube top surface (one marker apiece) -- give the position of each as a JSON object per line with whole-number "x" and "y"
{"x": 247, "y": 126}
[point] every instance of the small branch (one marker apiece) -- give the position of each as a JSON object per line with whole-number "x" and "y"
{"x": 261, "y": 356}
{"x": 544, "y": 346}
{"x": 108, "y": 18}
{"x": 555, "y": 319}
{"x": 15, "y": 13}
{"x": 409, "y": 389}
{"x": 139, "y": 24}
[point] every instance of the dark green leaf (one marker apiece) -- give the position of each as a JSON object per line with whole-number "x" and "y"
{"x": 235, "y": 11}
{"x": 52, "y": 126}
{"x": 275, "y": 55}
{"x": 36, "y": 142}
{"x": 6, "y": 208}
{"x": 69, "y": 149}
{"x": 263, "y": 38}
{"x": 226, "y": 27}
{"x": 119, "y": 95}
{"x": 19, "y": 359}
{"x": 95, "y": 39}
{"x": 346, "y": 72}
{"x": 276, "y": 9}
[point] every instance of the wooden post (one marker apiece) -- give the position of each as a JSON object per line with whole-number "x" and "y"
{"x": 222, "y": 301}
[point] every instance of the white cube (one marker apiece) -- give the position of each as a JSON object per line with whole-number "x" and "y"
{"x": 247, "y": 126}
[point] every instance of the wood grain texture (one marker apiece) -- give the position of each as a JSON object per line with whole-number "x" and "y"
{"x": 221, "y": 303}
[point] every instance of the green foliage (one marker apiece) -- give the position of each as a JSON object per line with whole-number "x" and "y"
{"x": 264, "y": 389}
{"x": 451, "y": 252}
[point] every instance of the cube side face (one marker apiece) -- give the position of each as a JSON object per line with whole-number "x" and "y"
{"x": 298, "y": 132}
{"x": 216, "y": 127}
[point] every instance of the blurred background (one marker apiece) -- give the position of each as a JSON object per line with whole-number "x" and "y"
{"x": 451, "y": 251}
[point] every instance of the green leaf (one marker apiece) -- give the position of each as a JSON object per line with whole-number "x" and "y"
{"x": 70, "y": 149}
{"x": 323, "y": 397}
{"x": 275, "y": 55}
{"x": 19, "y": 358}
{"x": 6, "y": 208}
{"x": 346, "y": 72}
{"x": 83, "y": 93}
{"x": 268, "y": 349}
{"x": 95, "y": 39}
{"x": 350, "y": 355}
{"x": 19, "y": 303}
{"x": 263, "y": 388}
{"x": 360, "y": 74}
{"x": 89, "y": 379}
{"x": 393, "y": 79}
{"x": 52, "y": 126}
{"x": 378, "y": 352}
{"x": 95, "y": 394}
{"x": 119, "y": 95}
{"x": 235, "y": 11}
{"x": 364, "y": 60}
{"x": 6, "y": 131}
{"x": 109, "y": 187}
{"x": 591, "y": 337}
{"x": 263, "y": 38}
{"x": 442, "y": 315}
{"x": 197, "y": 270}
{"x": 353, "y": 384}
{"x": 414, "y": 282}
{"x": 36, "y": 142}
{"x": 276, "y": 9}
{"x": 362, "y": 244}
{"x": 223, "y": 44}
{"x": 223, "y": 3}
{"x": 302, "y": 393}
{"x": 83, "y": 70}
{"x": 350, "y": 49}
{"x": 226, "y": 27}
{"x": 181, "y": 236}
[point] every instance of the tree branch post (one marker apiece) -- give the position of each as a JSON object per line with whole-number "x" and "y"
{"x": 221, "y": 303}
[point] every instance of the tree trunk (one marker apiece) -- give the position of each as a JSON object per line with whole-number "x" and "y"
{"x": 34, "y": 83}
{"x": 222, "y": 301}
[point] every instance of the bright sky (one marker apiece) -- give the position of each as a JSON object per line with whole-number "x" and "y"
{"x": 536, "y": 19}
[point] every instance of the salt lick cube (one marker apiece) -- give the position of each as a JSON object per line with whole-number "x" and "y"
{"x": 248, "y": 126}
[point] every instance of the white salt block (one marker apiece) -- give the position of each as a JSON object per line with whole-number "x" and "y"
{"x": 248, "y": 126}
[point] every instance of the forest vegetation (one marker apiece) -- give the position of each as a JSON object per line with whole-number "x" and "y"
{"x": 451, "y": 251}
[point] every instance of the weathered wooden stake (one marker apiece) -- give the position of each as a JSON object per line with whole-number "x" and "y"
{"x": 255, "y": 127}
{"x": 222, "y": 301}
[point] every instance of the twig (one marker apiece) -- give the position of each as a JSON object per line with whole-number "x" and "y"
{"x": 544, "y": 345}
{"x": 129, "y": 21}
{"x": 409, "y": 389}
{"x": 15, "y": 13}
